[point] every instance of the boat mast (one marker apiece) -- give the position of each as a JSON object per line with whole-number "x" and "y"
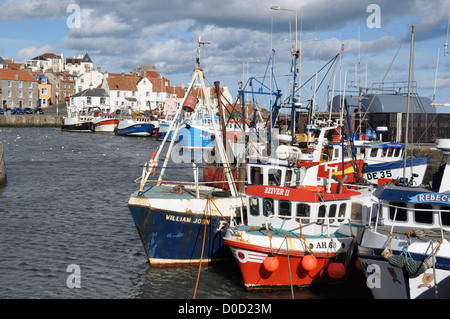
{"x": 411, "y": 61}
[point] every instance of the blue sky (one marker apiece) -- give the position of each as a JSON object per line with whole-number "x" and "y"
{"x": 122, "y": 35}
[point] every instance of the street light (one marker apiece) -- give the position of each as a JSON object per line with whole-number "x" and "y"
{"x": 292, "y": 10}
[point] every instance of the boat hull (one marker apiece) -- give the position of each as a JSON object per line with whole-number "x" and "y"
{"x": 394, "y": 170}
{"x": 251, "y": 252}
{"x": 174, "y": 228}
{"x": 82, "y": 127}
{"x": 106, "y": 126}
{"x": 135, "y": 129}
{"x": 387, "y": 281}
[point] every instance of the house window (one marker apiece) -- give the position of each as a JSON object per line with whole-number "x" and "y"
{"x": 89, "y": 100}
{"x": 20, "y": 85}
{"x": 102, "y": 101}
{"x": 9, "y": 84}
{"x": 30, "y": 95}
{"x": 118, "y": 93}
{"x": 20, "y": 93}
{"x": 9, "y": 94}
{"x": 44, "y": 91}
{"x": 30, "y": 85}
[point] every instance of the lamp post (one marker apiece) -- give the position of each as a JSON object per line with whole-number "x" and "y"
{"x": 296, "y": 54}
{"x": 292, "y": 10}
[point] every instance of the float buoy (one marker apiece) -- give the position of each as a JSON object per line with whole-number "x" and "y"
{"x": 271, "y": 262}
{"x": 336, "y": 270}
{"x": 309, "y": 262}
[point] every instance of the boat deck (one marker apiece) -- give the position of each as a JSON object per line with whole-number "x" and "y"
{"x": 179, "y": 191}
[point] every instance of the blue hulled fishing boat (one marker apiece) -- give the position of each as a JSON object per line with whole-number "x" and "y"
{"x": 179, "y": 222}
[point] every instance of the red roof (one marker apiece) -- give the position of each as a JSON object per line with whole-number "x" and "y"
{"x": 7, "y": 74}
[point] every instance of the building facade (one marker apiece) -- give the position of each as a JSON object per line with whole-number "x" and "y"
{"x": 44, "y": 89}
{"x": 18, "y": 89}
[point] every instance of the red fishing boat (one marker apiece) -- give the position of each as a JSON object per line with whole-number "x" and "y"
{"x": 302, "y": 234}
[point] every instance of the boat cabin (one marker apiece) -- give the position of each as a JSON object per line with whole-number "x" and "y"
{"x": 411, "y": 207}
{"x": 273, "y": 172}
{"x": 290, "y": 209}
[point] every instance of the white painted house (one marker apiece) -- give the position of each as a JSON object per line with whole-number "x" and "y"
{"x": 92, "y": 78}
{"x": 90, "y": 98}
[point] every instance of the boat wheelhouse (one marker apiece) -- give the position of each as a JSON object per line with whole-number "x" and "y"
{"x": 297, "y": 237}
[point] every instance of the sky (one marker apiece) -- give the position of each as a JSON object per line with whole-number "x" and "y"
{"x": 121, "y": 35}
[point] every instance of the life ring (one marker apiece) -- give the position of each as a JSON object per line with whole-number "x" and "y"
{"x": 311, "y": 188}
{"x": 152, "y": 158}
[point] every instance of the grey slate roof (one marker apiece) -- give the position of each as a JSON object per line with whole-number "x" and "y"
{"x": 94, "y": 92}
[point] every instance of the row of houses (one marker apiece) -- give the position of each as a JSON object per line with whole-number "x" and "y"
{"x": 48, "y": 80}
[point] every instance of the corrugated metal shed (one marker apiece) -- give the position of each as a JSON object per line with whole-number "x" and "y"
{"x": 385, "y": 103}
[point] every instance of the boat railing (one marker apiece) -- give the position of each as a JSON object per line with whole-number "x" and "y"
{"x": 144, "y": 178}
{"x": 326, "y": 221}
{"x": 383, "y": 211}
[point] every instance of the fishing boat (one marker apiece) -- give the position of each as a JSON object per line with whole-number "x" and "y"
{"x": 384, "y": 161}
{"x": 284, "y": 167}
{"x": 136, "y": 126}
{"x": 182, "y": 223}
{"x": 405, "y": 250}
{"x": 299, "y": 235}
{"x": 81, "y": 121}
{"x": 106, "y": 123}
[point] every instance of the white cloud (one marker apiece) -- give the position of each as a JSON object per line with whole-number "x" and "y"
{"x": 32, "y": 52}
{"x": 16, "y": 9}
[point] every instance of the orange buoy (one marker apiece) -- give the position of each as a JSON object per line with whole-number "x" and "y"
{"x": 271, "y": 262}
{"x": 189, "y": 103}
{"x": 309, "y": 262}
{"x": 336, "y": 270}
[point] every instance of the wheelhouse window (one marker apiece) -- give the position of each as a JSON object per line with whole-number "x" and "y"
{"x": 374, "y": 152}
{"x": 303, "y": 210}
{"x": 341, "y": 214}
{"x": 401, "y": 211}
{"x": 423, "y": 214}
{"x": 254, "y": 206}
{"x": 255, "y": 176}
{"x": 321, "y": 214}
{"x": 284, "y": 208}
{"x": 332, "y": 212}
{"x": 274, "y": 176}
{"x": 267, "y": 207}
{"x": 445, "y": 215}
{"x": 356, "y": 211}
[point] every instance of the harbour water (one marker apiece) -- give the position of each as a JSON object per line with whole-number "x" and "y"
{"x": 63, "y": 212}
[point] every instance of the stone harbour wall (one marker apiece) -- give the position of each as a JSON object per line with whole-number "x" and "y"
{"x": 31, "y": 120}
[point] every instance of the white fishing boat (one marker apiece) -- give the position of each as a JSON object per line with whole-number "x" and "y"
{"x": 105, "y": 123}
{"x": 405, "y": 250}
{"x": 78, "y": 121}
